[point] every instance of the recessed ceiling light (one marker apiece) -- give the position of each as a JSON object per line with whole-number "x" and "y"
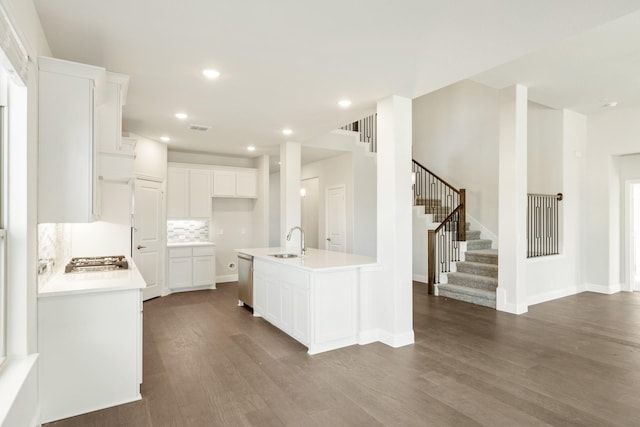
{"x": 251, "y": 148}
{"x": 344, "y": 103}
{"x": 610, "y": 104}
{"x": 212, "y": 74}
{"x": 181, "y": 116}
{"x": 287, "y": 131}
{"x": 165, "y": 139}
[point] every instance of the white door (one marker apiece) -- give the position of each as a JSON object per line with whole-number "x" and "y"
{"x": 148, "y": 231}
{"x": 336, "y": 214}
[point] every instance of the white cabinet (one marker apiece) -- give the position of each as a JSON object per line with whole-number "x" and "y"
{"x": 235, "y": 182}
{"x": 90, "y": 351}
{"x": 67, "y": 152}
{"x": 282, "y": 297}
{"x": 110, "y": 112}
{"x": 188, "y": 193}
{"x": 192, "y": 267}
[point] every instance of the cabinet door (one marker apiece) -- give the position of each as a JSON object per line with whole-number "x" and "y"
{"x": 246, "y": 184}
{"x": 178, "y": 193}
{"x": 224, "y": 184}
{"x": 300, "y": 316}
{"x": 286, "y": 314}
{"x": 199, "y": 194}
{"x": 67, "y": 176}
{"x": 274, "y": 300}
{"x": 259, "y": 291}
{"x": 180, "y": 273}
{"x": 203, "y": 271}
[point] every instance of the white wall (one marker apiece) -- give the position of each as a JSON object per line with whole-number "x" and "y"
{"x": 612, "y": 133}
{"x": 629, "y": 171}
{"x": 231, "y": 228}
{"x": 561, "y": 275}
{"x": 210, "y": 159}
{"x": 364, "y": 203}
{"x": 332, "y": 172}
{"x": 309, "y": 215}
{"x": 544, "y": 149}
{"x": 455, "y": 135}
{"x": 151, "y": 158}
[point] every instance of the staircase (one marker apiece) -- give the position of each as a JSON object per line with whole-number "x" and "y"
{"x": 474, "y": 278}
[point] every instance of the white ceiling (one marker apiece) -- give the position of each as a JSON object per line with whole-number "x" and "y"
{"x": 286, "y": 63}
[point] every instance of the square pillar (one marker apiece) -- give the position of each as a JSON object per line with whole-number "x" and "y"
{"x": 511, "y": 294}
{"x": 290, "y": 159}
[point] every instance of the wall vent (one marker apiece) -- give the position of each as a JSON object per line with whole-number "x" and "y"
{"x": 200, "y": 128}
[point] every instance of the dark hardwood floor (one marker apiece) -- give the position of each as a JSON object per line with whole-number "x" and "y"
{"x": 569, "y": 362}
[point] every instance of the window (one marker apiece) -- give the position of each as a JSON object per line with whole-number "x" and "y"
{"x": 3, "y": 237}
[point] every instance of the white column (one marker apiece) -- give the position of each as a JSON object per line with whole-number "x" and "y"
{"x": 289, "y": 191}
{"x": 261, "y": 209}
{"x": 511, "y": 295}
{"x": 394, "y": 241}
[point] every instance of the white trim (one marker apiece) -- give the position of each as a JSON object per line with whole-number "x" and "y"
{"x": 14, "y": 378}
{"x": 368, "y": 337}
{"x": 420, "y": 278}
{"x": 396, "y": 340}
{"x": 556, "y": 294}
{"x": 227, "y": 278}
{"x": 503, "y": 305}
{"x": 604, "y": 289}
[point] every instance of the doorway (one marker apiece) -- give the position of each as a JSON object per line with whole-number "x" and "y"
{"x": 309, "y": 189}
{"x": 633, "y": 234}
{"x": 147, "y": 235}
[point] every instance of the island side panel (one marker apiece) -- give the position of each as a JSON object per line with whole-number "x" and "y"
{"x": 334, "y": 309}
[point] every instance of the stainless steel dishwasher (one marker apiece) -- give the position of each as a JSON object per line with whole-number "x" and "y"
{"x": 245, "y": 280}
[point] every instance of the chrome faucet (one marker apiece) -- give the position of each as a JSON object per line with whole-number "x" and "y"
{"x": 303, "y": 248}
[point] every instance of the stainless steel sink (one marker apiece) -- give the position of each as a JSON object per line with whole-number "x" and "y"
{"x": 285, "y": 255}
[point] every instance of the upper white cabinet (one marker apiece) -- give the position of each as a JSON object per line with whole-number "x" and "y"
{"x": 235, "y": 183}
{"x": 67, "y": 154}
{"x": 188, "y": 193}
{"x": 110, "y": 112}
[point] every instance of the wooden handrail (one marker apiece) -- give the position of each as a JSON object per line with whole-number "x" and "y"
{"x": 436, "y": 176}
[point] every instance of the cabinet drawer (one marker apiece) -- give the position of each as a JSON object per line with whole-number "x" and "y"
{"x": 204, "y": 250}
{"x": 179, "y": 252}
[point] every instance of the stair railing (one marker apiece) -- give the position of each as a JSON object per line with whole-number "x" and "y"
{"x": 442, "y": 200}
{"x": 543, "y": 237}
{"x": 367, "y": 127}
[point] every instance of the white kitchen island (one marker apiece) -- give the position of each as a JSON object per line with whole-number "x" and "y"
{"x": 316, "y": 299}
{"x": 90, "y": 341}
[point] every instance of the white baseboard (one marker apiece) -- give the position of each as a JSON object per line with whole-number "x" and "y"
{"x": 227, "y": 278}
{"x": 397, "y": 340}
{"x": 420, "y": 278}
{"x": 604, "y": 289}
{"x": 503, "y": 305}
{"x": 368, "y": 337}
{"x": 560, "y": 293}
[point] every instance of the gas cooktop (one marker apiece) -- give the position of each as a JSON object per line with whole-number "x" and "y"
{"x": 101, "y": 263}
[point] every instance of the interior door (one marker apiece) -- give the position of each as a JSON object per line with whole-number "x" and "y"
{"x": 336, "y": 219}
{"x": 148, "y": 231}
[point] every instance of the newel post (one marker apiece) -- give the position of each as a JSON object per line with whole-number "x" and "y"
{"x": 431, "y": 262}
{"x": 462, "y": 229}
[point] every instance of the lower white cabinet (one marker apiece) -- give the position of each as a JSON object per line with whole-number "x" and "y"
{"x": 192, "y": 267}
{"x": 90, "y": 347}
{"x": 282, "y": 297}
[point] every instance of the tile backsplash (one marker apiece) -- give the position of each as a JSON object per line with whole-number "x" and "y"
{"x": 187, "y": 231}
{"x": 53, "y": 249}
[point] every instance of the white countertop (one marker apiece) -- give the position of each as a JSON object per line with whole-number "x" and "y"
{"x": 188, "y": 244}
{"x": 314, "y": 259}
{"x": 95, "y": 281}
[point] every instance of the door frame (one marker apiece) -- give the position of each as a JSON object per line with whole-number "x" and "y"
{"x": 629, "y": 253}
{"x": 326, "y": 215}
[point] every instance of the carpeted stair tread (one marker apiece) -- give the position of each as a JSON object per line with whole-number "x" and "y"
{"x": 478, "y": 244}
{"x": 473, "y": 281}
{"x": 463, "y": 293}
{"x": 487, "y": 256}
{"x": 477, "y": 268}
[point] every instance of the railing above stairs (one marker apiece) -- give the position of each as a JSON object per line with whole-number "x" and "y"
{"x": 543, "y": 236}
{"x": 447, "y": 205}
{"x": 368, "y": 129}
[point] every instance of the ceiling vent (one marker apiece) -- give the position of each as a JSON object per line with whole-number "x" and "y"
{"x": 200, "y": 128}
